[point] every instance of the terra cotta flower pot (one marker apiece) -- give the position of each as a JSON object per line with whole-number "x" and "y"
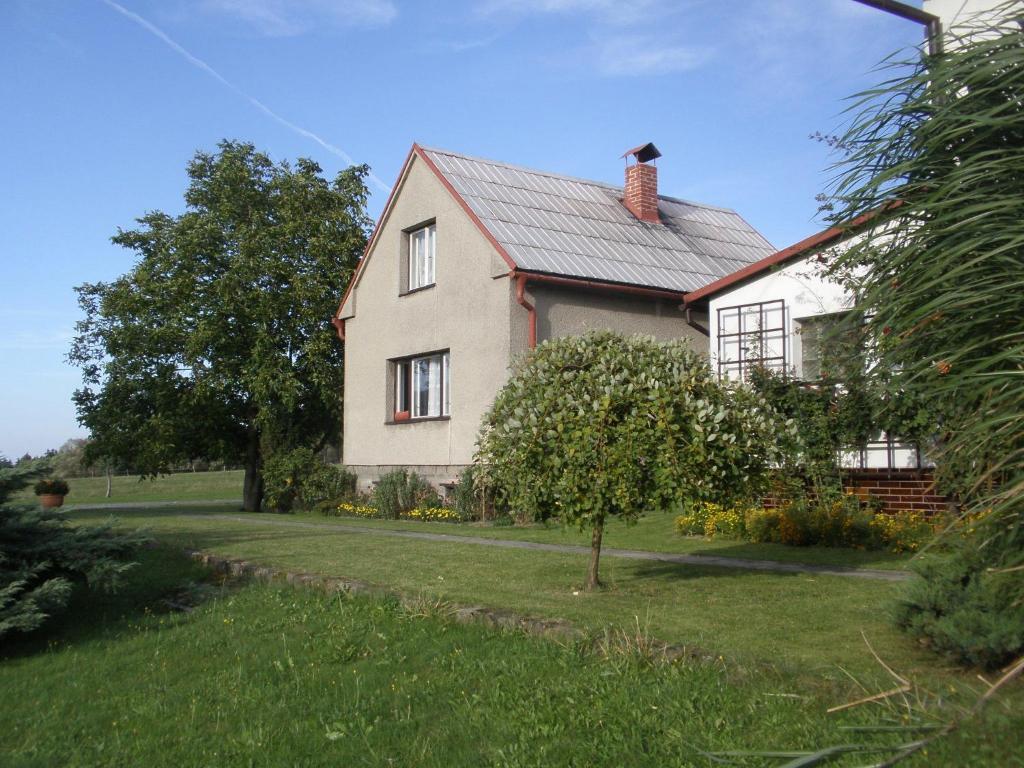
{"x": 51, "y": 500}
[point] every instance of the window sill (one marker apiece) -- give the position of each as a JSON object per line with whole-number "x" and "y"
{"x": 417, "y": 290}
{"x": 416, "y": 420}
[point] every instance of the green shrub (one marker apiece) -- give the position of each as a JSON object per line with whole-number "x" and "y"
{"x": 402, "y": 491}
{"x": 300, "y": 478}
{"x": 762, "y": 525}
{"x": 965, "y": 609}
{"x": 708, "y": 519}
{"x": 42, "y": 555}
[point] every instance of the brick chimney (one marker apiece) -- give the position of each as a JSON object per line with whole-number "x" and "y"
{"x": 641, "y": 191}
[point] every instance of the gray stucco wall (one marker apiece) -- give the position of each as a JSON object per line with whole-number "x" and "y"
{"x": 466, "y": 311}
{"x": 569, "y": 312}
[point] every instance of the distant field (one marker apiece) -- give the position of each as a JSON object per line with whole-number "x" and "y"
{"x": 181, "y": 486}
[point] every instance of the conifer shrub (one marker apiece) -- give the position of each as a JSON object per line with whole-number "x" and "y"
{"x": 42, "y": 556}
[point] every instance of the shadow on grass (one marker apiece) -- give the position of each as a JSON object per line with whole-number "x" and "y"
{"x": 160, "y": 573}
{"x": 667, "y": 572}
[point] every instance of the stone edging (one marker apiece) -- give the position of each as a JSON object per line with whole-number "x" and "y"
{"x": 552, "y": 629}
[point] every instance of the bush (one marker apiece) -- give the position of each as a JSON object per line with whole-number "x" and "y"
{"x": 51, "y": 486}
{"x": 711, "y": 519}
{"x": 763, "y": 525}
{"x": 300, "y": 478}
{"x": 42, "y": 556}
{"x": 837, "y": 523}
{"x": 963, "y": 608}
{"x": 473, "y": 499}
{"x": 401, "y": 491}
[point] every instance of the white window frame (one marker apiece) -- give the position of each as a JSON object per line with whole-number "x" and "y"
{"x": 422, "y": 257}
{"x": 423, "y": 386}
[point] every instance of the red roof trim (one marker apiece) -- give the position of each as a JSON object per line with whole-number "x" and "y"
{"x": 357, "y": 273}
{"x": 417, "y": 150}
{"x": 465, "y": 206}
{"x": 778, "y": 258}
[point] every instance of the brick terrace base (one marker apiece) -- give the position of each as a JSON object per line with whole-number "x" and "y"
{"x": 894, "y": 489}
{"x": 897, "y": 489}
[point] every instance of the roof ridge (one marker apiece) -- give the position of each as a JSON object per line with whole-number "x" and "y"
{"x": 564, "y": 177}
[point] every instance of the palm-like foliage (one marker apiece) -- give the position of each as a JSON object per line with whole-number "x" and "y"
{"x": 938, "y": 157}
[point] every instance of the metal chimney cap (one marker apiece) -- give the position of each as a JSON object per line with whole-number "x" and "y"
{"x": 643, "y": 153}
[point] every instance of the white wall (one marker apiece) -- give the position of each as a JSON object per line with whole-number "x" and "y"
{"x": 805, "y": 293}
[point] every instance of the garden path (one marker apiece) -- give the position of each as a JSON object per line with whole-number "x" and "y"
{"x": 632, "y": 554}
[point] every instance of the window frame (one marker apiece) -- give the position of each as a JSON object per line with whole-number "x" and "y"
{"x": 403, "y": 379}
{"x": 743, "y": 364}
{"x": 429, "y": 230}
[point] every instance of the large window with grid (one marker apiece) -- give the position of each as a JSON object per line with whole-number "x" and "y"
{"x": 751, "y": 336}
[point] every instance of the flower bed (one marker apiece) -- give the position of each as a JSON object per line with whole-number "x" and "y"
{"x": 840, "y": 523}
{"x": 423, "y": 514}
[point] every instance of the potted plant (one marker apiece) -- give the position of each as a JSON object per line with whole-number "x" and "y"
{"x": 51, "y": 491}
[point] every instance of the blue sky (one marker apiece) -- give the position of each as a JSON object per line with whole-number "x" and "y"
{"x": 104, "y": 102}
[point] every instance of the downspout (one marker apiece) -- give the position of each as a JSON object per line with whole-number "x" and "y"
{"x": 694, "y": 324}
{"x": 339, "y": 326}
{"x": 531, "y": 310}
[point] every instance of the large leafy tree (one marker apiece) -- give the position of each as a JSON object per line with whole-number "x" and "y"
{"x": 217, "y": 343}
{"x": 600, "y": 426}
{"x": 937, "y": 158}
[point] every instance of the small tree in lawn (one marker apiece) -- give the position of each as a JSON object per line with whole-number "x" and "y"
{"x": 600, "y": 426}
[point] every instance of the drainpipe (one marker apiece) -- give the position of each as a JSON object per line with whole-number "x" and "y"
{"x": 531, "y": 310}
{"x": 339, "y": 326}
{"x": 694, "y": 324}
{"x": 931, "y": 23}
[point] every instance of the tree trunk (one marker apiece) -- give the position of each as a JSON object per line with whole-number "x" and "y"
{"x": 252, "y": 485}
{"x": 108, "y": 481}
{"x": 595, "y": 555}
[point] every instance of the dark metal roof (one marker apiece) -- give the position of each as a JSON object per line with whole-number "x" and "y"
{"x": 579, "y": 228}
{"x": 643, "y": 153}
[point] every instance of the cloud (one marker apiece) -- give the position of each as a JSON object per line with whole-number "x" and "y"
{"x": 633, "y": 55}
{"x": 200, "y": 64}
{"x": 284, "y": 18}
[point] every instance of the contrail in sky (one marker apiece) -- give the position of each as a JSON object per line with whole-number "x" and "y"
{"x": 197, "y": 62}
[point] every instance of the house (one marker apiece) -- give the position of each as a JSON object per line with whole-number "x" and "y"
{"x": 778, "y": 313}
{"x": 473, "y": 262}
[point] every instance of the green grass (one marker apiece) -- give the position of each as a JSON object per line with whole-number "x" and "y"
{"x": 654, "y": 533}
{"x": 799, "y": 622}
{"x": 181, "y": 486}
{"x": 273, "y": 676}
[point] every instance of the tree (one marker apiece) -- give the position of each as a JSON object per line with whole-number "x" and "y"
{"x": 42, "y": 556}
{"x": 937, "y": 157}
{"x": 603, "y": 426}
{"x": 217, "y": 345}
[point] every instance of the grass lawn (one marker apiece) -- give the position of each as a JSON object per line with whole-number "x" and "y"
{"x": 272, "y": 676}
{"x": 799, "y": 622}
{"x": 181, "y": 486}
{"x": 654, "y": 533}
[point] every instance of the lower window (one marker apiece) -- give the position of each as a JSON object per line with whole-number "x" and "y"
{"x": 422, "y": 386}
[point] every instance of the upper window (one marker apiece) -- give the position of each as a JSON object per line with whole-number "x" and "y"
{"x": 751, "y": 336}
{"x": 422, "y": 252}
{"x": 422, "y": 387}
